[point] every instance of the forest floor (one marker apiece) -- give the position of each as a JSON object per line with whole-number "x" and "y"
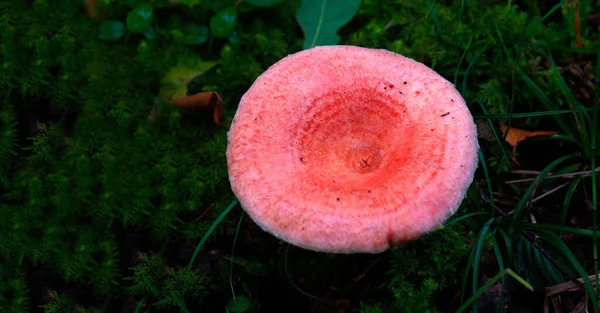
{"x": 114, "y": 198}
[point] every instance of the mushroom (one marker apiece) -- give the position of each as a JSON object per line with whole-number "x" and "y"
{"x": 345, "y": 149}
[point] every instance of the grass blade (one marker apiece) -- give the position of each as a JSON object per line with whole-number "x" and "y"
{"x": 541, "y": 268}
{"x": 593, "y": 148}
{"x": 488, "y": 181}
{"x": 559, "y": 245}
{"x": 557, "y": 137}
{"x": 545, "y": 17}
{"x": 525, "y": 198}
{"x": 566, "y": 49}
{"x": 460, "y": 62}
{"x": 237, "y": 231}
{"x": 436, "y": 21}
{"x": 179, "y": 302}
{"x": 567, "y": 202}
{"x": 468, "y": 70}
{"x": 509, "y": 245}
{"x": 470, "y": 262}
{"x": 545, "y": 101}
{"x": 556, "y": 276}
{"x": 458, "y": 219}
{"x": 534, "y": 26}
{"x": 532, "y": 268}
{"x": 526, "y": 114}
{"x": 580, "y": 116}
{"x": 477, "y": 256}
{"x": 537, "y": 91}
{"x": 209, "y": 232}
{"x": 496, "y": 137}
{"x": 289, "y": 277}
{"x": 498, "y": 255}
{"x": 492, "y": 281}
{"x": 565, "y": 229}
{"x": 139, "y": 306}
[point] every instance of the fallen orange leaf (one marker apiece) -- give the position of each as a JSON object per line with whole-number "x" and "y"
{"x": 202, "y": 100}
{"x": 174, "y": 89}
{"x": 516, "y": 135}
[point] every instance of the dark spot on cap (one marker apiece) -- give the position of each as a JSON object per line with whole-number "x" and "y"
{"x": 417, "y": 93}
{"x": 405, "y": 83}
{"x": 338, "y": 199}
{"x": 369, "y": 191}
{"x": 445, "y": 114}
{"x": 452, "y": 100}
{"x": 400, "y": 92}
{"x": 390, "y": 236}
{"x": 301, "y": 159}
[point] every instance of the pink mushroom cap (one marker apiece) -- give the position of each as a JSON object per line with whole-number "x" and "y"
{"x": 346, "y": 149}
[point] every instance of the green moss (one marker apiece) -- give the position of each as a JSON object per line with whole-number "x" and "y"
{"x": 439, "y": 35}
{"x": 421, "y": 270}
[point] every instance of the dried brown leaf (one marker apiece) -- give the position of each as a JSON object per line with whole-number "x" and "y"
{"x": 208, "y": 100}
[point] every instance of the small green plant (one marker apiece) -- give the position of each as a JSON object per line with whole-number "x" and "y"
{"x": 321, "y": 20}
{"x": 140, "y": 19}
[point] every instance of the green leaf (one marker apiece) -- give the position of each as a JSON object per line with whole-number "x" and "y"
{"x": 222, "y": 24}
{"x": 263, "y": 3}
{"x": 321, "y": 19}
{"x": 192, "y": 34}
{"x": 174, "y": 83}
{"x": 238, "y": 305}
{"x": 150, "y": 34}
{"x": 111, "y": 30}
{"x": 140, "y": 18}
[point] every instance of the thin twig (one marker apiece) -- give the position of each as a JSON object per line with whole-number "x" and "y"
{"x": 566, "y": 287}
{"x": 363, "y": 275}
{"x": 568, "y": 175}
{"x": 549, "y": 192}
{"x": 212, "y": 205}
{"x": 388, "y": 25}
